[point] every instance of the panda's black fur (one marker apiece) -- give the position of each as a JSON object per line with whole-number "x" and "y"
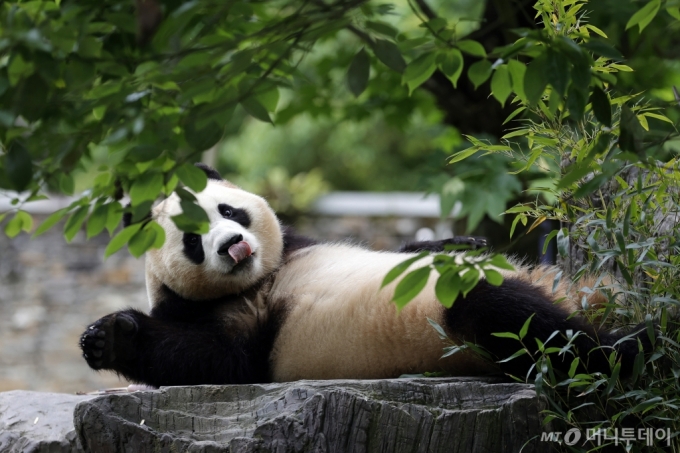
{"x": 248, "y": 335}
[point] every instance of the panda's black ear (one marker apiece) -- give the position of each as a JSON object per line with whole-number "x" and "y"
{"x": 210, "y": 172}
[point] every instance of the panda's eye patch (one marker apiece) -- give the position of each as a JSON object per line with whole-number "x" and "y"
{"x": 191, "y": 239}
{"x": 238, "y": 215}
{"x": 193, "y": 247}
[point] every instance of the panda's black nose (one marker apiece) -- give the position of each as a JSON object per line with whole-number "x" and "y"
{"x": 224, "y": 248}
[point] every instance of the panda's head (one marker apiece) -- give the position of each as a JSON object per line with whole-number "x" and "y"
{"x": 243, "y": 245}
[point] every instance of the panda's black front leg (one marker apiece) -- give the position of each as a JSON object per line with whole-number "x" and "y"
{"x": 159, "y": 352}
{"x": 110, "y": 343}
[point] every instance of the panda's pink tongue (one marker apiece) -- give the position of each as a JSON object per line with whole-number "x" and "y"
{"x": 240, "y": 251}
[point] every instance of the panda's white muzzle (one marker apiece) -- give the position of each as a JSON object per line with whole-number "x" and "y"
{"x": 236, "y": 248}
{"x": 227, "y": 244}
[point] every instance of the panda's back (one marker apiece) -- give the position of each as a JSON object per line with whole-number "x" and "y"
{"x": 340, "y": 324}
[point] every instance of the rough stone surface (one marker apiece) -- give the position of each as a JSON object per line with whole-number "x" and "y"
{"x": 398, "y": 415}
{"x": 35, "y": 422}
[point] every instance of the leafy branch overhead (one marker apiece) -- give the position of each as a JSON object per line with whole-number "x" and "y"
{"x": 136, "y": 95}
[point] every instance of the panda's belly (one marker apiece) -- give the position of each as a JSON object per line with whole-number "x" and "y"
{"x": 340, "y": 324}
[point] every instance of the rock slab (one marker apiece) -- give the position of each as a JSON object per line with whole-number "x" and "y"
{"x": 37, "y": 422}
{"x": 448, "y": 415}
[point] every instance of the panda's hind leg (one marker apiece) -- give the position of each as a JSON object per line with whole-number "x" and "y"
{"x": 472, "y": 242}
{"x": 490, "y": 309}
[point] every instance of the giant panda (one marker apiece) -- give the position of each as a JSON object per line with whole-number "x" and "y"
{"x": 249, "y": 302}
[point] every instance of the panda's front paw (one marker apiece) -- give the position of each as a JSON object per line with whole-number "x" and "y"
{"x": 109, "y": 342}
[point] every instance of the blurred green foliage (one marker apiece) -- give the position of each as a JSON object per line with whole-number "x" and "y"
{"x": 119, "y": 97}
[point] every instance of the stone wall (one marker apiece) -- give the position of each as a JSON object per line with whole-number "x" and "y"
{"x": 50, "y": 291}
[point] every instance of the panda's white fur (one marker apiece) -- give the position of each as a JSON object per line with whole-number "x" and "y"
{"x": 213, "y": 278}
{"x": 314, "y": 311}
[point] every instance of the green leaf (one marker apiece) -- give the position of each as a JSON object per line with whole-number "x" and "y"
{"x": 501, "y": 84}
{"x": 26, "y": 221}
{"x": 440, "y": 330}
{"x": 18, "y": 167}
{"x": 202, "y": 133}
{"x": 574, "y": 173}
{"x": 382, "y": 28}
{"x": 13, "y": 227}
{"x": 472, "y": 47}
{"x": 464, "y": 154}
{"x": 644, "y": 16}
{"x": 494, "y": 277}
{"x": 409, "y": 287}
{"x": 66, "y": 184}
{"x": 120, "y": 239}
{"x": 525, "y": 328}
{"x": 536, "y": 79}
{"x": 146, "y": 187}
{"x": 573, "y": 367}
{"x": 632, "y": 132}
{"x": 193, "y": 177}
{"x": 142, "y": 241}
{"x": 19, "y": 69}
{"x": 674, "y": 11}
{"x": 469, "y": 280}
{"x": 514, "y": 356}
{"x": 613, "y": 379}
{"x": 114, "y": 215}
{"x": 50, "y": 221}
{"x": 546, "y": 241}
{"x": 563, "y": 243}
{"x": 389, "y": 54}
{"x": 517, "y": 69}
{"x": 451, "y": 64}
{"x": 160, "y": 234}
{"x": 419, "y": 70}
{"x": 590, "y": 186}
{"x": 74, "y": 222}
{"x": 558, "y": 71}
{"x": 600, "y": 47}
{"x": 189, "y": 225}
{"x": 358, "y": 72}
{"x": 447, "y": 287}
{"x": 601, "y": 106}
{"x": 479, "y": 72}
{"x": 194, "y": 211}
{"x": 506, "y": 335}
{"x": 576, "y": 102}
{"x": 97, "y": 220}
{"x": 256, "y": 110}
{"x": 501, "y": 262}
{"x": 399, "y": 269}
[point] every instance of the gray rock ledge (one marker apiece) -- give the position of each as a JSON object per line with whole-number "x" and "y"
{"x": 37, "y": 422}
{"x": 466, "y": 415}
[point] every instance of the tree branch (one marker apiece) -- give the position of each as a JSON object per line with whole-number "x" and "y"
{"x": 425, "y": 8}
